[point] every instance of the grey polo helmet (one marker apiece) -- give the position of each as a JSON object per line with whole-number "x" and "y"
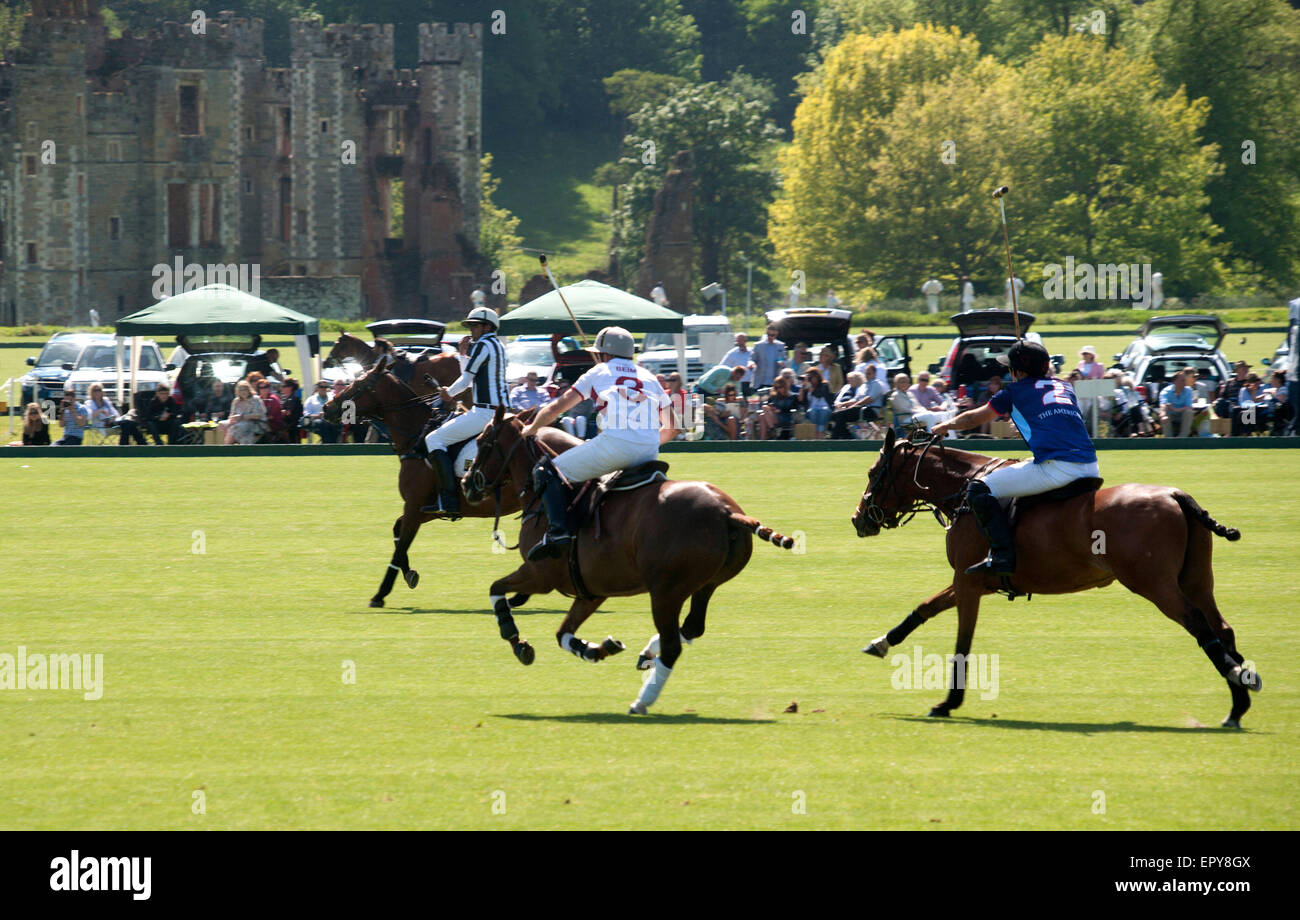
{"x": 484, "y": 315}
{"x": 615, "y": 340}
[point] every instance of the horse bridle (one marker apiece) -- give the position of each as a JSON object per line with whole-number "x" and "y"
{"x": 938, "y": 506}
{"x": 885, "y": 479}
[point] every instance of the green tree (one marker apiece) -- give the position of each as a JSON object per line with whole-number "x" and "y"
{"x": 631, "y": 90}
{"x": 727, "y": 130}
{"x": 498, "y": 234}
{"x": 1243, "y": 58}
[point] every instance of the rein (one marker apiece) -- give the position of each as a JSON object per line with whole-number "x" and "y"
{"x": 950, "y": 506}
{"x": 479, "y": 484}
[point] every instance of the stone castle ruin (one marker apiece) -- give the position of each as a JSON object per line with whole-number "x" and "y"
{"x": 118, "y": 155}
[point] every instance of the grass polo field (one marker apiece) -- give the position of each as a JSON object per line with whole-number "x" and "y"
{"x": 247, "y": 685}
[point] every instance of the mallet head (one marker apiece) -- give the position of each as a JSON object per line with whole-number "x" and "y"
{"x": 1000, "y": 191}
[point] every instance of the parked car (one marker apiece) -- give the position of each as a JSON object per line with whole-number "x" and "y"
{"x": 1191, "y": 333}
{"x": 201, "y": 368}
{"x": 1152, "y": 373}
{"x": 532, "y": 354}
{"x": 818, "y": 326}
{"x": 659, "y": 349}
{"x": 1281, "y": 360}
{"x": 79, "y": 359}
{"x": 982, "y": 336}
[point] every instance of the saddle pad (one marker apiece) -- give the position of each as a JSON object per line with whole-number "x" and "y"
{"x": 1073, "y": 489}
{"x": 633, "y": 477}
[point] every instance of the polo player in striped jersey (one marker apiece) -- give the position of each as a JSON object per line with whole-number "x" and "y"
{"x": 485, "y": 371}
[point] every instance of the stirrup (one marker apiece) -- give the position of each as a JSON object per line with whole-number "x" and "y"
{"x": 991, "y": 566}
{"x": 550, "y": 546}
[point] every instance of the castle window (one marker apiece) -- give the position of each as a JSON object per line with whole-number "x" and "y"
{"x": 31, "y": 132}
{"x": 121, "y": 304}
{"x": 428, "y": 146}
{"x": 286, "y": 132}
{"x": 248, "y": 133}
{"x": 302, "y": 269}
{"x": 469, "y": 142}
{"x": 81, "y": 277}
{"x": 286, "y": 208}
{"x": 81, "y": 183}
{"x": 31, "y": 253}
{"x": 302, "y": 222}
{"x": 209, "y": 215}
{"x": 189, "y": 109}
{"x": 324, "y": 126}
{"x": 115, "y": 228}
{"x": 178, "y": 215}
{"x": 29, "y": 164}
{"x": 248, "y": 186}
{"x": 78, "y": 106}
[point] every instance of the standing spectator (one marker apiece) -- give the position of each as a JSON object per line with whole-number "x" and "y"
{"x": 291, "y": 406}
{"x": 273, "y": 358}
{"x": 967, "y": 294}
{"x": 94, "y": 317}
{"x": 478, "y": 297}
{"x": 829, "y": 368}
{"x": 932, "y": 289}
{"x": 1019, "y": 285}
{"x": 1176, "y": 411}
{"x": 711, "y": 382}
{"x": 800, "y": 358}
{"x": 527, "y": 395}
{"x": 1157, "y": 290}
{"x": 832, "y": 302}
{"x": 75, "y": 418}
{"x": 815, "y": 399}
{"x": 778, "y": 414}
{"x": 247, "y": 416}
{"x": 659, "y": 295}
{"x": 679, "y": 398}
{"x": 1226, "y": 405}
{"x": 1088, "y": 367}
{"x": 901, "y": 402}
{"x": 1293, "y": 364}
{"x": 769, "y": 358}
{"x": 742, "y": 356}
{"x": 794, "y": 293}
{"x": 924, "y": 395}
{"x": 36, "y": 432}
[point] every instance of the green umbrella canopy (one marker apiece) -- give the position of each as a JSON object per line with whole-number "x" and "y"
{"x": 216, "y": 309}
{"x": 594, "y": 305}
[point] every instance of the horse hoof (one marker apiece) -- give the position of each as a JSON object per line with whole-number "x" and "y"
{"x": 939, "y": 712}
{"x": 637, "y": 709}
{"x": 611, "y": 646}
{"x": 878, "y": 647}
{"x": 645, "y": 662}
{"x": 519, "y": 600}
{"x": 412, "y": 578}
{"x": 376, "y": 602}
{"x": 524, "y": 652}
{"x": 1230, "y": 722}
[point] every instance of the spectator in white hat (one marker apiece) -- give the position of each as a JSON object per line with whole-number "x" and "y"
{"x": 1088, "y": 367}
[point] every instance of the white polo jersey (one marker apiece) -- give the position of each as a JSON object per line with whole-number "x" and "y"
{"x": 628, "y": 397}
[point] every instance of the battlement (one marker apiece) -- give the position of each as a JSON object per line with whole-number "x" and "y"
{"x": 450, "y": 43}
{"x": 368, "y": 46}
{"x": 65, "y": 9}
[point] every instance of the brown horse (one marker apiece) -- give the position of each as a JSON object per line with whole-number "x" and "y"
{"x": 378, "y": 394}
{"x": 1155, "y": 540}
{"x": 676, "y": 540}
{"x": 443, "y": 368}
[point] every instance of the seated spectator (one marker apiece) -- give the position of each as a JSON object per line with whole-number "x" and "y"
{"x": 815, "y": 400}
{"x": 778, "y": 413}
{"x": 273, "y": 358}
{"x": 247, "y": 420}
{"x": 1250, "y": 406}
{"x": 313, "y": 419}
{"x": 1130, "y": 416}
{"x": 1176, "y": 409}
{"x": 791, "y": 380}
{"x": 715, "y": 378}
{"x": 130, "y": 425}
{"x": 731, "y": 396}
{"x": 720, "y": 423}
{"x": 291, "y": 406}
{"x": 274, "y": 410}
{"x": 1226, "y": 404}
{"x": 102, "y": 411}
{"x": 527, "y": 395}
{"x": 867, "y": 357}
{"x": 800, "y": 359}
{"x": 829, "y": 368}
{"x": 679, "y": 398}
{"x": 924, "y": 395}
{"x": 215, "y": 404}
{"x": 1088, "y": 367}
{"x": 901, "y": 403}
{"x": 1199, "y": 381}
{"x": 75, "y": 419}
{"x": 36, "y": 431}
{"x": 1281, "y": 412}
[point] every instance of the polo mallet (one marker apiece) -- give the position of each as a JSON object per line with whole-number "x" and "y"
{"x": 555, "y": 284}
{"x": 999, "y": 193}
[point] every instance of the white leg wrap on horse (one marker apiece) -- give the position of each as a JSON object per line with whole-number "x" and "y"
{"x": 569, "y": 643}
{"x": 654, "y": 683}
{"x": 494, "y": 599}
{"x": 651, "y": 649}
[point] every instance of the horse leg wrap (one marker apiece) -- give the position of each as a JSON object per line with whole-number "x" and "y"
{"x": 1218, "y": 655}
{"x": 505, "y": 622}
{"x": 653, "y": 686}
{"x": 584, "y": 650}
{"x": 903, "y": 629}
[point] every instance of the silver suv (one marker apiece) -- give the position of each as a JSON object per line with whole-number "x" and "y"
{"x": 79, "y": 359}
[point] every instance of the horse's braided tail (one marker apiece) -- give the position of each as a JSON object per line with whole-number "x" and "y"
{"x": 760, "y": 530}
{"x": 1199, "y": 514}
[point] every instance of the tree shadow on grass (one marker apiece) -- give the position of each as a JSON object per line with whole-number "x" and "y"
{"x": 1082, "y": 728}
{"x": 421, "y": 611}
{"x": 605, "y": 718}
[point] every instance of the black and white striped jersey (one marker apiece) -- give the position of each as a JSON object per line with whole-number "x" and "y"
{"x": 487, "y": 363}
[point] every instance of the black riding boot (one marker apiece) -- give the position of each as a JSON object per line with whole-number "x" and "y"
{"x": 993, "y": 523}
{"x": 449, "y": 497}
{"x": 547, "y": 482}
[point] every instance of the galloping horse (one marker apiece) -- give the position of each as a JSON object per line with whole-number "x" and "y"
{"x": 1156, "y": 540}
{"x": 443, "y": 368}
{"x": 378, "y": 394}
{"x": 676, "y": 540}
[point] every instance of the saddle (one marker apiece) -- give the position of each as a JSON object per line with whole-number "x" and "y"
{"x": 1082, "y": 486}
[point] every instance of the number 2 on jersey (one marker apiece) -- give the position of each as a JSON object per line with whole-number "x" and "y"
{"x": 1056, "y": 395}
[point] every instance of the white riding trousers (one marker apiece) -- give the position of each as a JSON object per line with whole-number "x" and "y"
{"x": 1030, "y": 478}
{"x": 604, "y": 454}
{"x": 460, "y": 427}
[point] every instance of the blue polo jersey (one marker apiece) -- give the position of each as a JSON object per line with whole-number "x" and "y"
{"x": 1046, "y": 411}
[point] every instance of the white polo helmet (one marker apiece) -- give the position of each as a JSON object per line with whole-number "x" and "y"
{"x": 615, "y": 340}
{"x": 484, "y": 315}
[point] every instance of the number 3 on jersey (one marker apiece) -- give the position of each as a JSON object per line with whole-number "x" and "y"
{"x": 634, "y": 392}
{"x": 1057, "y": 394}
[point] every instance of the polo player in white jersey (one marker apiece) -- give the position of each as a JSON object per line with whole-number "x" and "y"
{"x": 485, "y": 371}
{"x": 638, "y": 418}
